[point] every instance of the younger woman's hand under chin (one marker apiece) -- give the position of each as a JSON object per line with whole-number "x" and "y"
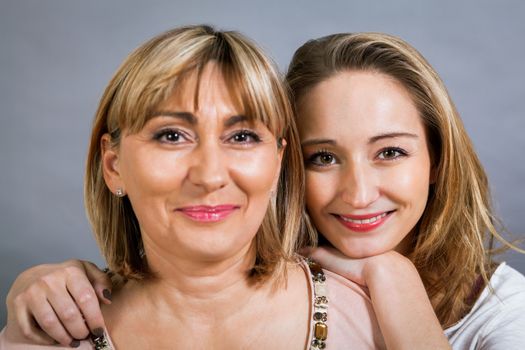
{"x": 362, "y": 271}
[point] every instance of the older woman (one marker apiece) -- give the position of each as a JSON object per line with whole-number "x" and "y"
{"x": 186, "y": 216}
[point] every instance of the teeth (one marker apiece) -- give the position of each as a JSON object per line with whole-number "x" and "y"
{"x": 365, "y": 221}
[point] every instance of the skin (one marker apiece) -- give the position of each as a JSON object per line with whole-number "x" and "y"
{"x": 365, "y": 119}
{"x": 366, "y": 152}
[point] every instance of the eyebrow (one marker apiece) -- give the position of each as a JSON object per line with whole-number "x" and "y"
{"x": 192, "y": 120}
{"x": 318, "y": 142}
{"x": 391, "y": 135}
{"x": 235, "y": 120}
{"x": 185, "y": 116}
{"x": 373, "y": 139}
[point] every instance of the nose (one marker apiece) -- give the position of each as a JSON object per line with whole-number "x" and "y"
{"x": 209, "y": 168}
{"x": 359, "y": 187}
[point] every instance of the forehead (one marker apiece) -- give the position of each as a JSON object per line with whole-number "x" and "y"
{"x": 357, "y": 105}
{"x": 202, "y": 91}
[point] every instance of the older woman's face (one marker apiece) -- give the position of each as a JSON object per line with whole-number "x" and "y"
{"x": 367, "y": 162}
{"x": 199, "y": 179}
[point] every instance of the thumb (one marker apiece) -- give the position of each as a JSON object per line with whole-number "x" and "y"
{"x": 100, "y": 281}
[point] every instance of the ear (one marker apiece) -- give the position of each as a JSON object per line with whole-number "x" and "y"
{"x": 281, "y": 146}
{"x": 110, "y": 164}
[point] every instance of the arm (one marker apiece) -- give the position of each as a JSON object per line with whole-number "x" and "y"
{"x": 58, "y": 299}
{"x": 403, "y": 310}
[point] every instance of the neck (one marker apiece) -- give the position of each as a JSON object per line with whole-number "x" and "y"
{"x": 192, "y": 287}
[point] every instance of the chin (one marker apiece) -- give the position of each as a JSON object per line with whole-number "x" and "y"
{"x": 360, "y": 251}
{"x": 217, "y": 251}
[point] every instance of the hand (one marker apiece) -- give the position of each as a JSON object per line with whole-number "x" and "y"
{"x": 57, "y": 299}
{"x": 335, "y": 261}
{"x": 363, "y": 271}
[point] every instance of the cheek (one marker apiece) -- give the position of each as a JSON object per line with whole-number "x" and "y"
{"x": 320, "y": 190}
{"x": 254, "y": 171}
{"x": 152, "y": 173}
{"x": 409, "y": 183}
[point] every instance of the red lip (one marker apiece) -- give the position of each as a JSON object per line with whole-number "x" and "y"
{"x": 207, "y": 213}
{"x": 374, "y": 220}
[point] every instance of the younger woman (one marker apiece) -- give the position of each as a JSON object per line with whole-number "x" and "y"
{"x": 393, "y": 181}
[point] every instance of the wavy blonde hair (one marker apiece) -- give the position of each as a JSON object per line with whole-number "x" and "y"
{"x": 454, "y": 235}
{"x": 148, "y": 76}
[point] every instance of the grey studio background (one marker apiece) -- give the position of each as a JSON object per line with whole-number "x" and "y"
{"x": 57, "y": 56}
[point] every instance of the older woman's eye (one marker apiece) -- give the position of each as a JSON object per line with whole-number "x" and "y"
{"x": 244, "y": 137}
{"x": 322, "y": 159}
{"x": 170, "y": 136}
{"x": 391, "y": 153}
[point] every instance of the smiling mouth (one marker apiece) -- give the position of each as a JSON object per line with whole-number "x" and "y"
{"x": 208, "y": 214}
{"x": 363, "y": 223}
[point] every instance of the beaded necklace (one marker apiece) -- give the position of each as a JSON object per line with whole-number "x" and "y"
{"x": 320, "y": 314}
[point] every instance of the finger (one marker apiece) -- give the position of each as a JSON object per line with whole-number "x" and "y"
{"x": 47, "y": 319}
{"x": 331, "y": 259}
{"x": 85, "y": 297}
{"x": 21, "y": 326}
{"x": 100, "y": 280}
{"x": 68, "y": 313}
{"x": 319, "y": 254}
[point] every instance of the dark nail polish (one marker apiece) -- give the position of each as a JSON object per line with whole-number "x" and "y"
{"x": 74, "y": 344}
{"x": 98, "y": 332}
{"x": 107, "y": 294}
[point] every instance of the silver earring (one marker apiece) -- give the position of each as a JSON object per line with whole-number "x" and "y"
{"x": 119, "y": 192}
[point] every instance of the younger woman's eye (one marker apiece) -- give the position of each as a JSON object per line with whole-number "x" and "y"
{"x": 170, "y": 136}
{"x": 322, "y": 158}
{"x": 245, "y": 137}
{"x": 391, "y": 153}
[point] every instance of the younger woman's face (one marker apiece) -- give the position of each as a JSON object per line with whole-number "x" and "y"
{"x": 367, "y": 162}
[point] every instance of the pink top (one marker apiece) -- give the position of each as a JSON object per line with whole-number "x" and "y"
{"x": 351, "y": 320}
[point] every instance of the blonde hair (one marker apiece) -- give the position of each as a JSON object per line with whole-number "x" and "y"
{"x": 455, "y": 232}
{"x": 147, "y": 77}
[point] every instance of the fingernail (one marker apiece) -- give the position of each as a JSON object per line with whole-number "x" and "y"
{"x": 75, "y": 344}
{"x": 107, "y": 294}
{"x": 98, "y": 332}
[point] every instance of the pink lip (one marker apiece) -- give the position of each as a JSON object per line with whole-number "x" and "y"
{"x": 380, "y": 218}
{"x": 206, "y": 213}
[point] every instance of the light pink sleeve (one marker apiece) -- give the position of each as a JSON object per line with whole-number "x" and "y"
{"x": 6, "y": 344}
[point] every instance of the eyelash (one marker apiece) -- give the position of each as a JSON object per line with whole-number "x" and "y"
{"x": 312, "y": 159}
{"x": 245, "y": 132}
{"x": 400, "y": 153}
{"x": 163, "y": 134}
